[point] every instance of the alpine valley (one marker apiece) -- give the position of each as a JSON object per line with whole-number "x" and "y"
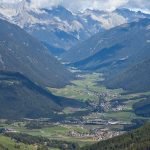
{"x": 74, "y": 80}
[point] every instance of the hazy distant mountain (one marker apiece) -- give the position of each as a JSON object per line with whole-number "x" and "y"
{"x": 59, "y": 28}
{"x": 19, "y": 52}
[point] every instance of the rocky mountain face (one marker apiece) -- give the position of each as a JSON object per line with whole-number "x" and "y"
{"x": 59, "y": 28}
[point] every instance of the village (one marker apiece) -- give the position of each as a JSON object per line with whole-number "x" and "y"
{"x": 97, "y": 135}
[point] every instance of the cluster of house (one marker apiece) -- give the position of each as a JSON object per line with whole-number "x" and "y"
{"x": 7, "y": 130}
{"x": 98, "y": 135}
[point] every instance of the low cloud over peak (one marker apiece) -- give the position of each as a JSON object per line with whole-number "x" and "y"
{"x": 80, "y": 5}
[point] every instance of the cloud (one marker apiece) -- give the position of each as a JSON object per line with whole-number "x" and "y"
{"x": 8, "y": 1}
{"x": 45, "y": 3}
{"x": 102, "y": 4}
{"x": 79, "y": 5}
{"x": 143, "y": 5}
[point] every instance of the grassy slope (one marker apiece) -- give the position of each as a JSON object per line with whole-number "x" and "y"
{"x": 85, "y": 88}
{"x": 58, "y": 132}
{"x": 9, "y": 144}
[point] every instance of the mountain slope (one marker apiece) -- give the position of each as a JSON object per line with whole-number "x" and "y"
{"x": 128, "y": 36}
{"x": 135, "y": 140}
{"x": 19, "y": 52}
{"x": 135, "y": 79}
{"x": 10, "y": 144}
{"x": 121, "y": 53}
{"x": 21, "y": 98}
{"x": 142, "y": 108}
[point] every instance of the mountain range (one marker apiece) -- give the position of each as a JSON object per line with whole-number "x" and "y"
{"x": 59, "y": 28}
{"x": 43, "y": 49}
{"x": 109, "y": 38}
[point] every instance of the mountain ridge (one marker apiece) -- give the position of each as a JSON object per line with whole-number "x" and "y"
{"x": 20, "y": 52}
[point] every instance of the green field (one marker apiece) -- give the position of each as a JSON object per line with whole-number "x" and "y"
{"x": 7, "y": 143}
{"x": 57, "y": 132}
{"x": 86, "y": 88}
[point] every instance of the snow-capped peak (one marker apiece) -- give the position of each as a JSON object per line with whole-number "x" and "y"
{"x": 60, "y": 26}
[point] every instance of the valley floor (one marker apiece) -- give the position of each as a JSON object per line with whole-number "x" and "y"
{"x": 106, "y": 115}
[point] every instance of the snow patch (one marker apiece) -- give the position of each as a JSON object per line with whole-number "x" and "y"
{"x": 148, "y": 41}
{"x": 76, "y": 26}
{"x": 124, "y": 58}
{"x": 2, "y": 62}
{"x": 148, "y": 27}
{"x": 109, "y": 20}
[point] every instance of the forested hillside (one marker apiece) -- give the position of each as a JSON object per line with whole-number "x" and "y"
{"x": 138, "y": 139}
{"x": 21, "y": 98}
{"x": 20, "y": 52}
{"x": 136, "y": 78}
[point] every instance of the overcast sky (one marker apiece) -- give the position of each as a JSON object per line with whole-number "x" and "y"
{"x": 77, "y": 5}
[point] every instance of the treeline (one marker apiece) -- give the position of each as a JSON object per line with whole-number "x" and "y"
{"x": 138, "y": 139}
{"x": 142, "y": 108}
{"x": 136, "y": 123}
{"x": 44, "y": 142}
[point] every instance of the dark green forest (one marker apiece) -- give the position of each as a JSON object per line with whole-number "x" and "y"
{"x": 138, "y": 139}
